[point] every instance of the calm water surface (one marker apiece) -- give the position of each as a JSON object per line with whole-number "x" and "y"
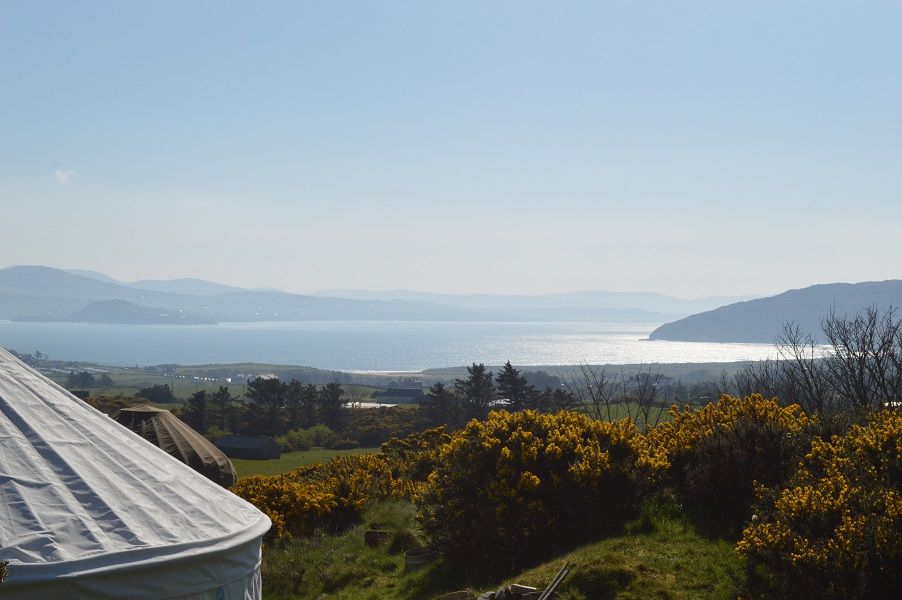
{"x": 366, "y": 346}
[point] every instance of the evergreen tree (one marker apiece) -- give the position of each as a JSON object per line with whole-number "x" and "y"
{"x": 331, "y": 399}
{"x": 441, "y": 407}
{"x": 477, "y": 391}
{"x": 309, "y": 406}
{"x": 512, "y": 386}
{"x": 221, "y": 407}
{"x": 293, "y": 403}
{"x": 195, "y": 412}
{"x": 267, "y": 397}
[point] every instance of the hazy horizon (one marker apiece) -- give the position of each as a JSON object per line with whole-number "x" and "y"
{"x": 695, "y": 149}
{"x": 94, "y": 274}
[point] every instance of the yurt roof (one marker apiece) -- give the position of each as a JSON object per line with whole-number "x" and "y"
{"x": 91, "y": 510}
{"x": 178, "y": 439}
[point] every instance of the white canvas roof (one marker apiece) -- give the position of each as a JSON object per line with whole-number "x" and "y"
{"x": 89, "y": 509}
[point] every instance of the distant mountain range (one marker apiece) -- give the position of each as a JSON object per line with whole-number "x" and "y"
{"x": 575, "y": 301}
{"x": 762, "y": 319}
{"x": 36, "y": 293}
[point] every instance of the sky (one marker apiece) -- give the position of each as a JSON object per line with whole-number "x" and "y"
{"x": 512, "y": 147}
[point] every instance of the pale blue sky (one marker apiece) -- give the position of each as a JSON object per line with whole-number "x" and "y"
{"x": 688, "y": 148}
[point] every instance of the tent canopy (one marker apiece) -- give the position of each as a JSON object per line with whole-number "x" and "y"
{"x": 92, "y": 510}
{"x": 176, "y": 438}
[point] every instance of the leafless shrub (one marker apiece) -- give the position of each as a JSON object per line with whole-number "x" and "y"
{"x": 605, "y": 397}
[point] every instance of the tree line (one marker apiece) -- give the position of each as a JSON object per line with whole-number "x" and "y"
{"x": 273, "y": 407}
{"x": 474, "y": 396}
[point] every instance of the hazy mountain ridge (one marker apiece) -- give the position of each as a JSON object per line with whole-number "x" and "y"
{"x": 596, "y": 299}
{"x": 762, "y": 319}
{"x": 34, "y": 293}
{"x": 124, "y": 312}
{"x": 43, "y": 293}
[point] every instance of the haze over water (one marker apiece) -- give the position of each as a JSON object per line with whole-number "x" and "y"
{"x": 367, "y": 346}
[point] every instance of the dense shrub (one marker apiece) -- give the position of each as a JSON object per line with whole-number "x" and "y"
{"x": 836, "y": 530}
{"x": 318, "y": 436}
{"x": 342, "y": 442}
{"x": 355, "y": 482}
{"x": 416, "y": 455}
{"x": 516, "y": 483}
{"x": 713, "y": 457}
{"x": 214, "y": 433}
{"x": 293, "y": 507}
{"x": 294, "y": 441}
{"x": 330, "y": 495}
{"x": 372, "y": 426}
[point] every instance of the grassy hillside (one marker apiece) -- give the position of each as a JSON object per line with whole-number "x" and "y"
{"x": 659, "y": 555}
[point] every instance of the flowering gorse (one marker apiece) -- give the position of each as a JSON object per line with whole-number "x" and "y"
{"x": 321, "y": 494}
{"x": 837, "y": 527}
{"x": 517, "y": 478}
{"x": 293, "y": 507}
{"x": 673, "y": 441}
{"x": 713, "y": 457}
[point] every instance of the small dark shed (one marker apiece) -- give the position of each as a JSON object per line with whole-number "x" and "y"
{"x": 254, "y": 448}
{"x": 395, "y": 395}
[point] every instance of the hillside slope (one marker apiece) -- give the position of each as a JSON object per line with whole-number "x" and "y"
{"x": 762, "y": 320}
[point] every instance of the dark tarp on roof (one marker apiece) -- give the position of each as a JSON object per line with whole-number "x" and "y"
{"x": 176, "y": 438}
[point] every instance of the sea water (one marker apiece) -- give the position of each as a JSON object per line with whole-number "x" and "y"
{"x": 366, "y": 346}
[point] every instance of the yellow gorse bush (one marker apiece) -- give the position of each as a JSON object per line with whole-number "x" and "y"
{"x": 340, "y": 489}
{"x": 838, "y": 525}
{"x": 518, "y": 476}
{"x": 414, "y": 457}
{"x": 711, "y": 458}
{"x": 671, "y": 440}
{"x": 293, "y": 507}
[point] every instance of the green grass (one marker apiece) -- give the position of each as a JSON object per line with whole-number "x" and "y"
{"x": 660, "y": 556}
{"x": 291, "y": 460}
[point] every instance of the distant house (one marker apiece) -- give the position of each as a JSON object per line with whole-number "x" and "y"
{"x": 253, "y": 448}
{"x": 400, "y": 396}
